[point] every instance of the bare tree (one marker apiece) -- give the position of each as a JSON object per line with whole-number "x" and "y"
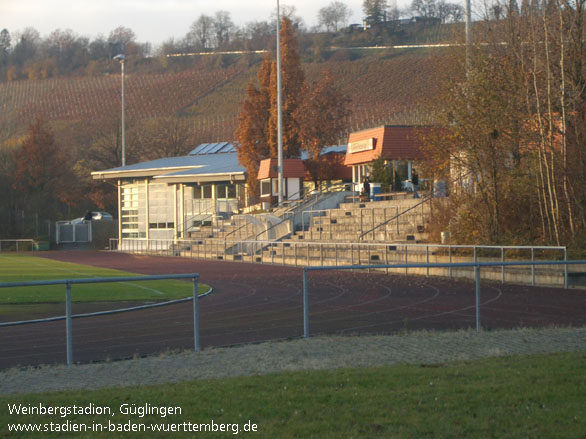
{"x": 223, "y": 27}
{"x": 375, "y": 10}
{"x": 201, "y": 32}
{"x": 334, "y": 16}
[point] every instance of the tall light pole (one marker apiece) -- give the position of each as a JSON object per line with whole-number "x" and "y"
{"x": 468, "y": 27}
{"x": 122, "y": 58}
{"x": 279, "y": 110}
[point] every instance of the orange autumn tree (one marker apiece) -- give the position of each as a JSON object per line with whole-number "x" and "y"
{"x": 253, "y": 143}
{"x": 42, "y": 177}
{"x": 257, "y": 136}
{"x": 292, "y": 87}
{"x": 322, "y": 117}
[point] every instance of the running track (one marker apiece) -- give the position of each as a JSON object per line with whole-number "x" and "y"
{"x": 253, "y": 303}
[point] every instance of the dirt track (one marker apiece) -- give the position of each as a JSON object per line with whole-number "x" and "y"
{"x": 258, "y": 302}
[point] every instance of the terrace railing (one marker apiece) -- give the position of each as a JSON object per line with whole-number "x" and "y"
{"x": 307, "y": 253}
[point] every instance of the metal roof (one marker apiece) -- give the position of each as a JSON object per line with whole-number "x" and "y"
{"x": 191, "y": 165}
{"x": 213, "y": 148}
{"x": 326, "y": 150}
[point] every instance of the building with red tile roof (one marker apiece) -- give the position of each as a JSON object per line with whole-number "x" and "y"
{"x": 396, "y": 143}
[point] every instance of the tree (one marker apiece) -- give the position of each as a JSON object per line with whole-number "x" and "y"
{"x": 5, "y": 43}
{"x": 27, "y": 46}
{"x": 425, "y": 8}
{"x": 163, "y": 137}
{"x": 42, "y": 177}
{"x": 516, "y": 123}
{"x": 445, "y": 11}
{"x": 200, "y": 33}
{"x": 375, "y": 10}
{"x": 322, "y": 116}
{"x": 334, "y": 16}
{"x": 253, "y": 122}
{"x": 312, "y": 116}
{"x": 123, "y": 40}
{"x": 292, "y": 83}
{"x": 223, "y": 28}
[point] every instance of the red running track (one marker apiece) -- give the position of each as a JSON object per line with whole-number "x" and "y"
{"x": 253, "y": 303}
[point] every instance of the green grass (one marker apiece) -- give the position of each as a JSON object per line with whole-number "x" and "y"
{"x": 23, "y": 268}
{"x": 538, "y": 396}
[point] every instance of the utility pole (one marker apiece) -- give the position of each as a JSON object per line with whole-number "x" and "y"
{"x": 468, "y": 36}
{"x": 279, "y": 108}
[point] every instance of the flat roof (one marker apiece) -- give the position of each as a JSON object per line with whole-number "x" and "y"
{"x": 188, "y": 166}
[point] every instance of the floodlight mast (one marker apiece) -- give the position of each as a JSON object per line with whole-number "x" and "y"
{"x": 279, "y": 109}
{"x": 120, "y": 57}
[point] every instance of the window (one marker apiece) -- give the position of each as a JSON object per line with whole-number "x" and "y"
{"x": 226, "y": 191}
{"x": 202, "y": 191}
{"x": 168, "y": 225}
{"x": 265, "y": 188}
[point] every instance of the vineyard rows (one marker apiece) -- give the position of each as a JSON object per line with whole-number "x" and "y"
{"x": 391, "y": 91}
{"x": 89, "y": 98}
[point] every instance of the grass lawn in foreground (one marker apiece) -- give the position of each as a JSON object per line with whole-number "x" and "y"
{"x": 539, "y": 396}
{"x": 24, "y": 268}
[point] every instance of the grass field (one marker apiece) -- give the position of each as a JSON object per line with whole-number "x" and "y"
{"x": 539, "y": 396}
{"x": 24, "y": 268}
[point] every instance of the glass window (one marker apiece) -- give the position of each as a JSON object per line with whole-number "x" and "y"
{"x": 207, "y": 191}
{"x": 231, "y": 188}
{"x": 265, "y": 187}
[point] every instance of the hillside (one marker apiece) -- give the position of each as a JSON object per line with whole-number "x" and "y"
{"x": 384, "y": 87}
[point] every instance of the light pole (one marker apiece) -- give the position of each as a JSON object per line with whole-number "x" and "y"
{"x": 279, "y": 110}
{"x": 122, "y": 58}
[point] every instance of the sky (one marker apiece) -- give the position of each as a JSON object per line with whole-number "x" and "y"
{"x": 152, "y": 21}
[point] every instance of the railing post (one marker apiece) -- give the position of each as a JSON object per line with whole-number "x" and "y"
{"x": 406, "y": 261}
{"x": 566, "y": 267}
{"x": 532, "y": 266}
{"x": 68, "y": 329}
{"x": 477, "y": 279}
{"x": 305, "y": 305}
{"x": 503, "y": 266}
{"x": 427, "y": 258}
{"x": 450, "y": 252}
{"x": 196, "y": 315}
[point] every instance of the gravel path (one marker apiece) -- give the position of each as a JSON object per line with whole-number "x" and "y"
{"x": 295, "y": 355}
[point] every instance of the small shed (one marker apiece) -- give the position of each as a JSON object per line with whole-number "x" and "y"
{"x": 293, "y": 174}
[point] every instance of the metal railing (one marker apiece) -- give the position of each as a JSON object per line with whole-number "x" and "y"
{"x": 368, "y": 216}
{"x": 379, "y": 255}
{"x": 69, "y": 282}
{"x": 421, "y": 204}
{"x": 476, "y": 266}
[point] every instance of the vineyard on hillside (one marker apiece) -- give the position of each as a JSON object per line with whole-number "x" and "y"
{"x": 388, "y": 88}
{"x": 91, "y": 98}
